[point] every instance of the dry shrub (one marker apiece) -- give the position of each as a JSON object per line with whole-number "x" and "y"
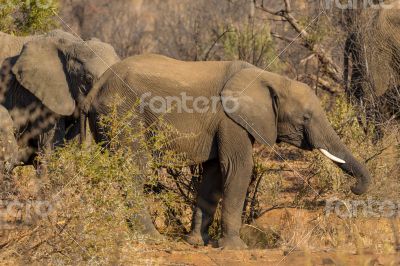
{"x": 315, "y": 230}
{"x": 91, "y": 194}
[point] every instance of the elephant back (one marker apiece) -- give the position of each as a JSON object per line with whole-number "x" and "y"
{"x": 12, "y": 45}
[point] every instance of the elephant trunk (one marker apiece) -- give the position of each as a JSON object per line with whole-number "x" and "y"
{"x": 351, "y": 166}
{"x": 358, "y": 170}
{"x": 82, "y": 123}
{"x": 334, "y": 149}
{"x": 81, "y": 100}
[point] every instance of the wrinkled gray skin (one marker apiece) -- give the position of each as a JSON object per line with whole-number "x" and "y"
{"x": 45, "y": 82}
{"x": 372, "y": 52}
{"x": 271, "y": 109}
{"x": 8, "y": 143}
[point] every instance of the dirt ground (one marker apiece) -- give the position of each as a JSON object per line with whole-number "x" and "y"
{"x": 308, "y": 247}
{"x": 210, "y": 256}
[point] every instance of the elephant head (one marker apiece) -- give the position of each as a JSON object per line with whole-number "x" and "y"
{"x": 273, "y": 108}
{"x": 59, "y": 68}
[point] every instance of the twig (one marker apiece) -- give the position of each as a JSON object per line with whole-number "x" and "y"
{"x": 215, "y": 43}
{"x": 377, "y": 154}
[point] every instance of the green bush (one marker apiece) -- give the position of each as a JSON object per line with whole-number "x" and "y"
{"x": 28, "y": 16}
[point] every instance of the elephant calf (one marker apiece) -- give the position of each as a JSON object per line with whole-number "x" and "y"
{"x": 246, "y": 104}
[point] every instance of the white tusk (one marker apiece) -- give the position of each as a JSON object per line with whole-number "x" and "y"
{"x": 332, "y": 157}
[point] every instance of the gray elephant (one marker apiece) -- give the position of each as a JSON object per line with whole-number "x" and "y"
{"x": 45, "y": 82}
{"x": 8, "y": 143}
{"x": 11, "y": 45}
{"x": 372, "y": 51}
{"x": 247, "y": 104}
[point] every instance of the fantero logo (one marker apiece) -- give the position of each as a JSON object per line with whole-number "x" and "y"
{"x": 15, "y": 213}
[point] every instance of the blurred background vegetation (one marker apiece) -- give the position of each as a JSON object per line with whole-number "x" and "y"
{"x": 27, "y": 17}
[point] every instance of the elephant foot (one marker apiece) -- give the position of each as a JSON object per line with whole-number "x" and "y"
{"x": 145, "y": 227}
{"x": 151, "y": 233}
{"x": 154, "y": 237}
{"x": 41, "y": 171}
{"x": 197, "y": 239}
{"x": 233, "y": 243}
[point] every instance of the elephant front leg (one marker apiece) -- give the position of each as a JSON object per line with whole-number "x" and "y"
{"x": 209, "y": 194}
{"x": 146, "y": 226}
{"x": 236, "y": 166}
{"x": 234, "y": 194}
{"x": 142, "y": 219}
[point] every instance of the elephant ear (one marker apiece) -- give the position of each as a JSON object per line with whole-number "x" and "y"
{"x": 40, "y": 70}
{"x": 253, "y": 104}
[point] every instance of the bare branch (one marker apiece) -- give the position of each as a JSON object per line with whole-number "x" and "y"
{"x": 325, "y": 84}
{"x": 215, "y": 43}
{"x": 276, "y": 35}
{"x": 330, "y": 68}
{"x": 287, "y": 6}
{"x": 286, "y": 14}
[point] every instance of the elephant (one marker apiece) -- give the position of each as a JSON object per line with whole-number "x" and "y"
{"x": 11, "y": 45}
{"x": 372, "y": 53}
{"x": 44, "y": 85}
{"x": 248, "y": 105}
{"x": 8, "y": 143}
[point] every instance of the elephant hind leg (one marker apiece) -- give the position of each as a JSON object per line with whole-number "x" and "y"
{"x": 209, "y": 195}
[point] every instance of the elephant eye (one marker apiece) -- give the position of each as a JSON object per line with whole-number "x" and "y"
{"x": 307, "y": 117}
{"x": 89, "y": 78}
